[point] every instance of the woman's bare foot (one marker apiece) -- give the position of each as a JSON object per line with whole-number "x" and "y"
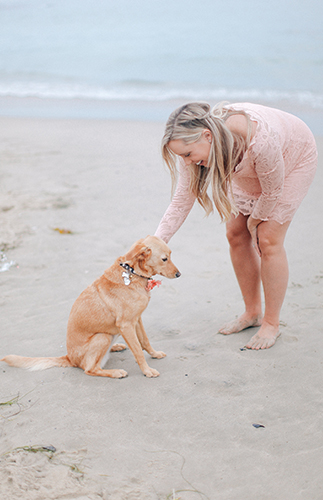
{"x": 244, "y": 321}
{"x": 264, "y": 338}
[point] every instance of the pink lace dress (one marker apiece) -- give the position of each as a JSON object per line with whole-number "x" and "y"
{"x": 271, "y": 180}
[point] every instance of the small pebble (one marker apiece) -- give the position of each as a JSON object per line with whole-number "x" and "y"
{"x": 49, "y": 448}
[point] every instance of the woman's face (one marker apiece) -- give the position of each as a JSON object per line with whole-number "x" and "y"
{"x": 196, "y": 152}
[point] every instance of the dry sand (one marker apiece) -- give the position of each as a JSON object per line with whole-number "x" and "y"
{"x": 188, "y": 434}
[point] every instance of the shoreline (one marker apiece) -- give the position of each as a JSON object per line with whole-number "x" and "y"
{"x": 137, "y": 110}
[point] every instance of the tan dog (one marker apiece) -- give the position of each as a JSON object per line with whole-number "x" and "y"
{"x": 112, "y": 305}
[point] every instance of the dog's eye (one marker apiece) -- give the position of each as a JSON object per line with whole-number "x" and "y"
{"x": 165, "y": 259}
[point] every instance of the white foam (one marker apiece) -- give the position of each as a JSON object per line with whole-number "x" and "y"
{"x": 144, "y": 91}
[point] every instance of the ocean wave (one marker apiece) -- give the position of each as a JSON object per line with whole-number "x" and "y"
{"x": 142, "y": 91}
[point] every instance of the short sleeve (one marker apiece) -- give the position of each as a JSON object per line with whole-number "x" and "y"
{"x": 180, "y": 206}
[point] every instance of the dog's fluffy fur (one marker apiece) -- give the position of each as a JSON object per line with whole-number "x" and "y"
{"x": 107, "y": 308}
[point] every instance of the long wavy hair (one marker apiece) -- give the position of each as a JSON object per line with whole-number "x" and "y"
{"x": 187, "y": 123}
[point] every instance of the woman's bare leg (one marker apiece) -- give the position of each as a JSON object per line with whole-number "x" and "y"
{"x": 246, "y": 264}
{"x": 274, "y": 276}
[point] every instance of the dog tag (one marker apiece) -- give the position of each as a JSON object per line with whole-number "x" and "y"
{"x": 126, "y": 278}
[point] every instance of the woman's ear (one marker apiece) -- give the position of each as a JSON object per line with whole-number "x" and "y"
{"x": 207, "y": 135}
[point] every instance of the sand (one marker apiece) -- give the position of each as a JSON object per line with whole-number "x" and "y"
{"x": 188, "y": 434}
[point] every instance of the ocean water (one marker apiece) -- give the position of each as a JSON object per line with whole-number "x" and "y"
{"x": 138, "y": 59}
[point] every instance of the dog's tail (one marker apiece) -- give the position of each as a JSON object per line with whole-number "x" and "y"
{"x": 34, "y": 364}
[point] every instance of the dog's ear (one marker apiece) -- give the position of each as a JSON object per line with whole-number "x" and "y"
{"x": 142, "y": 258}
{"x": 134, "y": 251}
{"x": 138, "y": 253}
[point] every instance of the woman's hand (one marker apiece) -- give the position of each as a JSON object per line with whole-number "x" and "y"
{"x": 252, "y": 225}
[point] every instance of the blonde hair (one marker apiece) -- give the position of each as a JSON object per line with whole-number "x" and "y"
{"x": 187, "y": 123}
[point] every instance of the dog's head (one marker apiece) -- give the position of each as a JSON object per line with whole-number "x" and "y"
{"x": 151, "y": 256}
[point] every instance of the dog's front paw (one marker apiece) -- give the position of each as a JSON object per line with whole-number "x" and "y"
{"x": 158, "y": 354}
{"x": 151, "y": 372}
{"x": 119, "y": 374}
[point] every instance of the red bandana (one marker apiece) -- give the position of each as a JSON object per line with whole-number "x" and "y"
{"x": 152, "y": 283}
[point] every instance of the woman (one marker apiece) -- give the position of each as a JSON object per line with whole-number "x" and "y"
{"x": 258, "y": 163}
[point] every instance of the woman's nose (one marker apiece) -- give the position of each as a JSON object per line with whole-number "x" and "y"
{"x": 187, "y": 161}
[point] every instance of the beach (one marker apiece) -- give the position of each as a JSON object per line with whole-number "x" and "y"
{"x": 221, "y": 422}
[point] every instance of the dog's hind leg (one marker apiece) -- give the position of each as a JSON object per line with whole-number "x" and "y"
{"x": 118, "y": 347}
{"x": 144, "y": 342}
{"x": 93, "y": 355}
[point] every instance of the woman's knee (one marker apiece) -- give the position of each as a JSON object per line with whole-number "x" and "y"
{"x": 267, "y": 244}
{"x": 237, "y": 233}
{"x": 271, "y": 238}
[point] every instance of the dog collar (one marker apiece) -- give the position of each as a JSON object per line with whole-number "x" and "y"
{"x": 129, "y": 272}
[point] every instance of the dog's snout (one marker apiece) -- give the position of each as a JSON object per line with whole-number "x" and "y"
{"x": 177, "y": 275}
